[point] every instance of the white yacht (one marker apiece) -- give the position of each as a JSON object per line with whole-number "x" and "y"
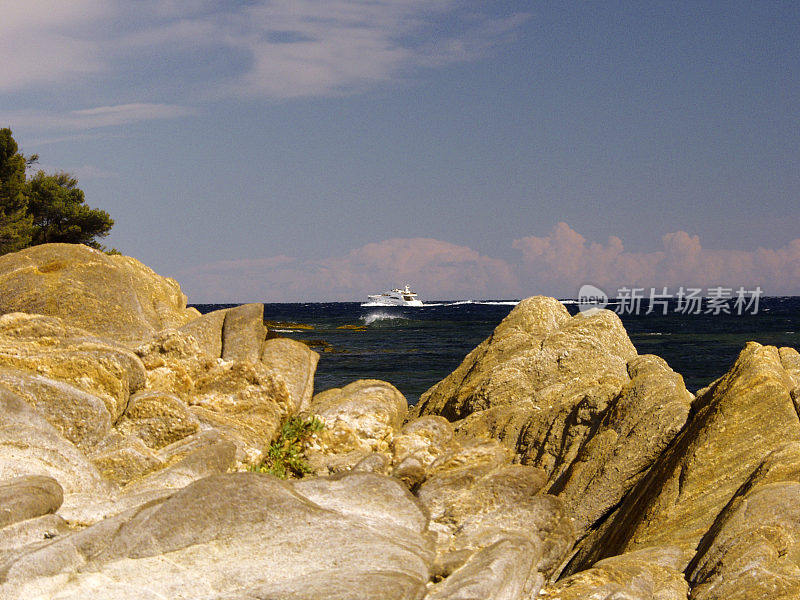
{"x": 396, "y": 297}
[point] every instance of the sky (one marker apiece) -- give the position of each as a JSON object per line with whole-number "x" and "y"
{"x": 304, "y": 150}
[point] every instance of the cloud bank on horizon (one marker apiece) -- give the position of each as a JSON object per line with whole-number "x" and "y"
{"x": 556, "y": 264}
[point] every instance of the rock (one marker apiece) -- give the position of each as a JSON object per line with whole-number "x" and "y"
{"x": 752, "y": 550}
{"x": 46, "y": 346}
{"x": 374, "y": 409}
{"x": 123, "y": 458}
{"x": 483, "y": 454}
{"x": 410, "y": 471}
{"x": 533, "y": 351}
{"x": 472, "y": 507}
{"x": 506, "y": 570}
{"x": 373, "y": 463}
{"x": 177, "y": 465}
{"x": 540, "y": 383}
{"x": 737, "y": 422}
{"x": 30, "y": 534}
{"x": 296, "y": 363}
{"x": 425, "y": 439}
{"x": 372, "y": 498}
{"x": 651, "y": 574}
{"x": 250, "y": 536}
{"x": 112, "y": 296}
{"x": 188, "y": 460}
{"x": 158, "y": 419}
{"x": 27, "y": 497}
{"x": 29, "y": 445}
{"x": 207, "y": 332}
{"x": 455, "y": 473}
{"x": 177, "y": 451}
{"x": 246, "y": 401}
{"x": 243, "y": 333}
{"x": 790, "y": 359}
{"x": 359, "y": 419}
{"x": 174, "y": 361}
{"x": 641, "y": 421}
{"x": 80, "y": 417}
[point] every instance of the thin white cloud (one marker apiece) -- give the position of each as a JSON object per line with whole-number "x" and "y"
{"x": 91, "y": 118}
{"x": 45, "y": 42}
{"x": 313, "y": 47}
{"x": 69, "y": 137}
{"x": 287, "y": 48}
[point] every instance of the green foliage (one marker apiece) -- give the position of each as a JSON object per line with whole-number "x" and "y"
{"x": 59, "y": 213}
{"x": 44, "y": 208}
{"x": 286, "y": 455}
{"x": 16, "y": 225}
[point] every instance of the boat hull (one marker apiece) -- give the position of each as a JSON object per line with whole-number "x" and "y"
{"x": 382, "y": 300}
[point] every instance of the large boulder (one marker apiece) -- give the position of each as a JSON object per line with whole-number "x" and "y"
{"x": 737, "y": 422}
{"x": 187, "y": 460}
{"x": 172, "y": 468}
{"x": 188, "y": 389}
{"x": 242, "y": 535}
{"x": 540, "y": 383}
{"x": 122, "y": 458}
{"x": 423, "y": 440}
{"x": 174, "y": 361}
{"x": 570, "y": 395}
{"x": 296, "y": 363}
{"x": 361, "y": 418}
{"x": 243, "y": 333}
{"x": 79, "y": 416}
{"x": 239, "y": 334}
{"x": 113, "y": 296}
{"x": 207, "y": 332}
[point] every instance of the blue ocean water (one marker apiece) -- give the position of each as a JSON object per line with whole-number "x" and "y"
{"x": 415, "y": 347}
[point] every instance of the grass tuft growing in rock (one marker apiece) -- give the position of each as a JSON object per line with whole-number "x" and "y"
{"x": 286, "y": 455}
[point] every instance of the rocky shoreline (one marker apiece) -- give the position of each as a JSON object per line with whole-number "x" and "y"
{"x": 554, "y": 462}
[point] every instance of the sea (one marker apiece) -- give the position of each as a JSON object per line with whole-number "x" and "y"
{"x": 415, "y": 347}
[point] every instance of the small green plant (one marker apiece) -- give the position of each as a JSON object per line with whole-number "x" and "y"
{"x": 286, "y": 455}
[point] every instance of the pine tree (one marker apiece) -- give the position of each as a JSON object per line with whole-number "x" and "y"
{"x": 45, "y": 208}
{"x": 16, "y": 224}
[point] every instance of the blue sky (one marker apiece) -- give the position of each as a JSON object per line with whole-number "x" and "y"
{"x": 316, "y": 150}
